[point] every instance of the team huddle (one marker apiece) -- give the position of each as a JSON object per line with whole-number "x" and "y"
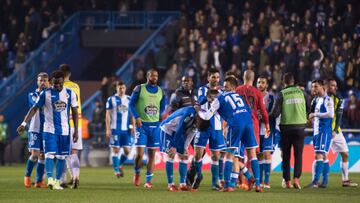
{"x": 241, "y": 125}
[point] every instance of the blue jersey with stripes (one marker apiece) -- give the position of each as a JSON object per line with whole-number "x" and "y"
{"x": 119, "y": 112}
{"x": 231, "y": 107}
{"x": 323, "y": 114}
{"x": 37, "y": 121}
{"x": 56, "y": 106}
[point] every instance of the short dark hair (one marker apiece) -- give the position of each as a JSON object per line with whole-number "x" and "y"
{"x": 120, "y": 82}
{"x": 43, "y": 75}
{"x": 212, "y": 92}
{"x": 318, "y": 81}
{"x": 212, "y": 71}
{"x": 288, "y": 78}
{"x": 331, "y": 79}
{"x": 232, "y": 80}
{"x": 151, "y": 70}
{"x": 65, "y": 68}
{"x": 202, "y": 124}
{"x": 57, "y": 74}
{"x": 264, "y": 76}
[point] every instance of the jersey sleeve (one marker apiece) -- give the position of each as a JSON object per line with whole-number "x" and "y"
{"x": 109, "y": 104}
{"x": 329, "y": 106}
{"x": 31, "y": 101}
{"x": 40, "y": 101}
{"x": 202, "y": 96}
{"x": 206, "y": 115}
{"x": 74, "y": 100}
{"x": 262, "y": 107}
{"x": 134, "y": 98}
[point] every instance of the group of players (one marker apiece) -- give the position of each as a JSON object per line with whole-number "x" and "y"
{"x": 232, "y": 119}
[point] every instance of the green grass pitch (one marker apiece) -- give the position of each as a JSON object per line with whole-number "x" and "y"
{"x": 100, "y": 185}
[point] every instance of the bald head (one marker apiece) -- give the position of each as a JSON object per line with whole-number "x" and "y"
{"x": 248, "y": 76}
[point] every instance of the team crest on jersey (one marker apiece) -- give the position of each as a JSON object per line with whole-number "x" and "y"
{"x": 151, "y": 110}
{"x": 34, "y": 97}
{"x": 122, "y": 109}
{"x": 59, "y": 106}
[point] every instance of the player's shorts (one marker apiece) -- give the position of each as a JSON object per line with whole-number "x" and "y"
{"x": 56, "y": 144}
{"x": 240, "y": 152}
{"x": 338, "y": 143}
{"x": 168, "y": 142}
{"x": 244, "y": 133}
{"x": 322, "y": 142}
{"x": 147, "y": 136}
{"x": 78, "y": 145}
{"x": 120, "y": 138}
{"x": 215, "y": 138}
{"x": 267, "y": 144}
{"x": 35, "y": 141}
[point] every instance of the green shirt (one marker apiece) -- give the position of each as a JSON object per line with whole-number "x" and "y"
{"x": 293, "y": 111}
{"x": 148, "y": 104}
{"x": 3, "y": 131}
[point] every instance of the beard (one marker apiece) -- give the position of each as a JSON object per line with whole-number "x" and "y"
{"x": 153, "y": 82}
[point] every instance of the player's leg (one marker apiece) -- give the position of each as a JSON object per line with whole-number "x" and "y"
{"x": 153, "y": 143}
{"x": 125, "y": 143}
{"x": 40, "y": 170}
{"x": 114, "y": 144}
{"x": 140, "y": 143}
{"x": 50, "y": 149}
{"x": 169, "y": 168}
{"x": 34, "y": 148}
{"x": 216, "y": 143}
{"x": 298, "y": 144}
{"x": 325, "y": 172}
{"x": 221, "y": 167}
{"x": 200, "y": 143}
{"x": 267, "y": 168}
{"x": 183, "y": 166}
{"x": 261, "y": 159}
{"x": 285, "y": 142}
{"x": 74, "y": 157}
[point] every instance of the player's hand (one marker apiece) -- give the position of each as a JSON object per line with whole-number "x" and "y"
{"x": 267, "y": 134}
{"x": 75, "y": 136}
{"x": 197, "y": 108}
{"x": 172, "y": 152}
{"x": 138, "y": 122}
{"x": 311, "y": 116}
{"x": 108, "y": 133}
{"x": 20, "y": 129}
{"x": 186, "y": 154}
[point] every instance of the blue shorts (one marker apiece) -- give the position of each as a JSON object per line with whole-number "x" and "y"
{"x": 240, "y": 152}
{"x": 120, "y": 139}
{"x": 168, "y": 142}
{"x": 35, "y": 141}
{"x": 147, "y": 136}
{"x": 267, "y": 144}
{"x": 56, "y": 144}
{"x": 215, "y": 138}
{"x": 322, "y": 142}
{"x": 244, "y": 133}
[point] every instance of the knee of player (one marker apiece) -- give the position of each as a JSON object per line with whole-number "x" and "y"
{"x": 126, "y": 151}
{"x": 319, "y": 156}
{"x": 170, "y": 157}
{"x": 41, "y": 156}
{"x": 344, "y": 156}
{"x": 115, "y": 150}
{"x": 33, "y": 157}
{"x": 215, "y": 157}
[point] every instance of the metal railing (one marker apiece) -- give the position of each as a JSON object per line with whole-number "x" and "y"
{"x": 39, "y": 59}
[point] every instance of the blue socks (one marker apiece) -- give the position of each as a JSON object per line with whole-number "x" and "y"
{"x": 221, "y": 169}
{"x": 60, "y": 166}
{"x": 149, "y": 176}
{"x": 255, "y": 169}
{"x": 261, "y": 167}
{"x": 319, "y": 166}
{"x": 183, "y": 171}
{"x": 325, "y": 172}
{"x": 227, "y": 172}
{"x": 40, "y": 170}
{"x": 246, "y": 173}
{"x": 116, "y": 162}
{"x": 234, "y": 176}
{"x": 29, "y": 166}
{"x": 49, "y": 167}
{"x": 169, "y": 168}
{"x": 198, "y": 167}
{"x": 123, "y": 158}
{"x": 215, "y": 172}
{"x": 267, "y": 170}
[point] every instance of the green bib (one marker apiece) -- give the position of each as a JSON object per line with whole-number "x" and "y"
{"x": 148, "y": 104}
{"x": 3, "y": 131}
{"x": 293, "y": 106}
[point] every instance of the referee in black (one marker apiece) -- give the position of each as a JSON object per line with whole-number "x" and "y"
{"x": 293, "y": 106}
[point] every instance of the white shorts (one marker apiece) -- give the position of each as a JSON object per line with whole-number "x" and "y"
{"x": 338, "y": 143}
{"x": 76, "y": 145}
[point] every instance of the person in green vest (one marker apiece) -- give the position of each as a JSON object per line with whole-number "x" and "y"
{"x": 4, "y": 131}
{"x": 147, "y": 103}
{"x": 293, "y": 107}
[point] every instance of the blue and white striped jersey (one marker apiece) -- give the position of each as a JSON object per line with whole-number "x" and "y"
{"x": 269, "y": 100}
{"x": 56, "y": 107}
{"x": 323, "y": 114}
{"x": 216, "y": 121}
{"x": 37, "y": 121}
{"x": 120, "y": 114}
